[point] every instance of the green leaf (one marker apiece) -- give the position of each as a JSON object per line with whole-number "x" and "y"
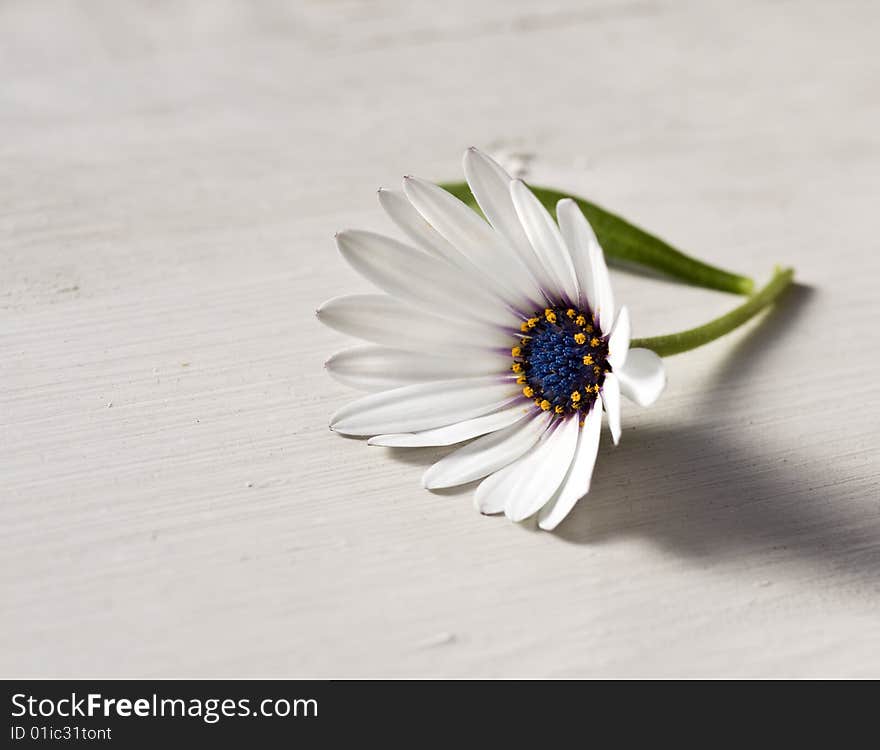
{"x": 625, "y": 242}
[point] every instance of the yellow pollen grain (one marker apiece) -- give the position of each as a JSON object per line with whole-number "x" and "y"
{"x": 516, "y": 367}
{"x": 580, "y": 338}
{"x": 580, "y": 320}
{"x": 545, "y": 404}
{"x": 588, "y": 329}
{"x": 528, "y": 392}
{"x": 597, "y": 370}
{"x": 558, "y": 409}
{"x": 516, "y": 351}
{"x": 524, "y": 326}
{"x": 532, "y": 322}
{"x": 594, "y": 341}
{"x": 537, "y": 402}
{"x": 588, "y": 359}
{"x": 550, "y": 315}
{"x": 521, "y": 379}
{"x": 576, "y": 396}
{"x": 571, "y": 313}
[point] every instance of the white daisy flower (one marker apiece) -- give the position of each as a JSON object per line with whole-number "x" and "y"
{"x": 503, "y": 333}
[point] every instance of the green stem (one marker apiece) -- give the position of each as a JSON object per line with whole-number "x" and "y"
{"x": 676, "y": 343}
{"x": 624, "y": 241}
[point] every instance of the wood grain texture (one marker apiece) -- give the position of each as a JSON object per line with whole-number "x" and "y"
{"x": 173, "y": 503}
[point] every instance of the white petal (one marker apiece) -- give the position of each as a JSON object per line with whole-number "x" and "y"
{"x": 423, "y": 406}
{"x": 378, "y": 368}
{"x": 390, "y": 322}
{"x": 537, "y": 484}
{"x": 490, "y": 185}
{"x": 412, "y": 275}
{"x": 618, "y": 339}
{"x": 603, "y": 301}
{"x": 577, "y": 482}
{"x": 611, "y": 401}
{"x": 642, "y": 377}
{"x": 454, "y": 433}
{"x": 582, "y": 245}
{"x": 545, "y": 239}
{"x": 413, "y": 224}
{"x": 486, "y": 454}
{"x": 522, "y": 488}
{"x": 589, "y": 261}
{"x": 483, "y": 247}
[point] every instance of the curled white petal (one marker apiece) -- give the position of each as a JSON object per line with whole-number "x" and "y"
{"x": 619, "y": 338}
{"x": 611, "y": 402}
{"x": 642, "y": 376}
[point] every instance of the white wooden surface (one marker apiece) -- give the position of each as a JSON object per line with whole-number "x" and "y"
{"x": 171, "y": 175}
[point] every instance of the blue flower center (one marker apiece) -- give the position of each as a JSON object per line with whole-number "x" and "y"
{"x": 561, "y": 360}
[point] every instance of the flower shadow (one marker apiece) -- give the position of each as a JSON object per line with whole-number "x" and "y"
{"x": 720, "y": 499}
